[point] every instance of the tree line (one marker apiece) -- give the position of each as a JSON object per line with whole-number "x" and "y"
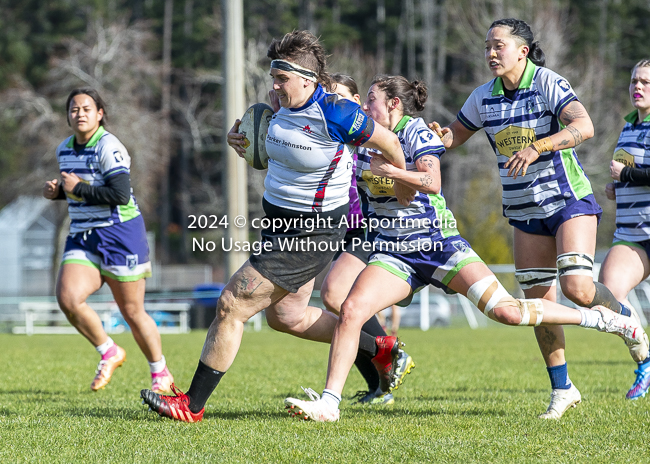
{"x": 158, "y": 64}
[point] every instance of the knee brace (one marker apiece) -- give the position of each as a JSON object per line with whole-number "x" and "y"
{"x": 536, "y": 277}
{"x": 488, "y": 294}
{"x": 575, "y": 264}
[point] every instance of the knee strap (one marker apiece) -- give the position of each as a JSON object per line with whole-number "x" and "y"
{"x": 575, "y": 264}
{"x": 536, "y": 277}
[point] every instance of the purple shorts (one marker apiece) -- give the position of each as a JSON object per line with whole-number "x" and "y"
{"x": 549, "y": 226}
{"x": 119, "y": 251}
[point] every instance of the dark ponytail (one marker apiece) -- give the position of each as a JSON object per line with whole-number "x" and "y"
{"x": 521, "y": 30}
{"x": 413, "y": 95}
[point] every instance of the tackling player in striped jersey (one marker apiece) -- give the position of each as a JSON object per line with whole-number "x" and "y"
{"x": 627, "y": 264}
{"x": 347, "y": 264}
{"x": 533, "y": 121}
{"x": 409, "y": 256}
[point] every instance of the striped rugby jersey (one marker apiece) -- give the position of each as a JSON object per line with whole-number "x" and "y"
{"x": 310, "y": 165}
{"x": 427, "y": 218}
{"x": 633, "y": 201}
{"x": 556, "y": 179}
{"x": 103, "y": 157}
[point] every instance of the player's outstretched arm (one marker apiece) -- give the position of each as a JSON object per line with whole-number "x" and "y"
{"x": 452, "y": 136}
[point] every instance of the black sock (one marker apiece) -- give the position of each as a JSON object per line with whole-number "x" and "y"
{"x": 368, "y": 371}
{"x": 367, "y": 344}
{"x": 606, "y": 298}
{"x": 204, "y": 382}
{"x": 373, "y": 327}
{"x": 364, "y": 365}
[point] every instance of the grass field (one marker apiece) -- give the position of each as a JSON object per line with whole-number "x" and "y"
{"x": 474, "y": 397}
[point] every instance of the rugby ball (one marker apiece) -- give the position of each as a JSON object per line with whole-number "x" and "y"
{"x": 254, "y": 126}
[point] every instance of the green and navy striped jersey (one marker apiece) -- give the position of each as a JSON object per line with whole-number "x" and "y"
{"x": 427, "y": 218}
{"x": 556, "y": 179}
{"x": 104, "y": 156}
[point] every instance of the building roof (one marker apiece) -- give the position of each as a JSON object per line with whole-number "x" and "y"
{"x": 21, "y": 213}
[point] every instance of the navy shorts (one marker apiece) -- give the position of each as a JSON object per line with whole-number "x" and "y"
{"x": 549, "y": 226}
{"x": 436, "y": 267}
{"x": 119, "y": 251}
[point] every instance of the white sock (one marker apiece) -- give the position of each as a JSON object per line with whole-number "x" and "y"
{"x": 158, "y": 366}
{"x": 331, "y": 398}
{"x": 104, "y": 347}
{"x": 590, "y": 318}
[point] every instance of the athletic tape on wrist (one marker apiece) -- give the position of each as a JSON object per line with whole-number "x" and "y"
{"x": 575, "y": 264}
{"x": 536, "y": 277}
{"x": 543, "y": 145}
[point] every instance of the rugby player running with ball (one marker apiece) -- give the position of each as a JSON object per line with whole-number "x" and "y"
{"x": 308, "y": 177}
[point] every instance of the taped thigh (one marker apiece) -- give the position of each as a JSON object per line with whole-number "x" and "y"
{"x": 536, "y": 277}
{"x": 575, "y": 264}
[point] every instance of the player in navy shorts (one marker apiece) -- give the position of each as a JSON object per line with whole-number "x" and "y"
{"x": 107, "y": 241}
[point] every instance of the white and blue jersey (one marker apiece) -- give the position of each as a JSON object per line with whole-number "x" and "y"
{"x": 104, "y": 156}
{"x": 427, "y": 218}
{"x": 310, "y": 165}
{"x": 633, "y": 201}
{"x": 556, "y": 179}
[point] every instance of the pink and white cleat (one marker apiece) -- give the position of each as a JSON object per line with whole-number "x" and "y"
{"x": 161, "y": 382}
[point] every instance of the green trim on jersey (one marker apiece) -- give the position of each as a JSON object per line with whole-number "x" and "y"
{"x": 128, "y": 211}
{"x": 578, "y": 182}
{"x": 456, "y": 269}
{"x": 633, "y": 117}
{"x": 525, "y": 83}
{"x": 396, "y": 272}
{"x": 93, "y": 140}
{"x": 401, "y": 124}
{"x": 445, "y": 216}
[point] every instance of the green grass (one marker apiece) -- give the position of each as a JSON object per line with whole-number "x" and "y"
{"x": 474, "y": 397}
